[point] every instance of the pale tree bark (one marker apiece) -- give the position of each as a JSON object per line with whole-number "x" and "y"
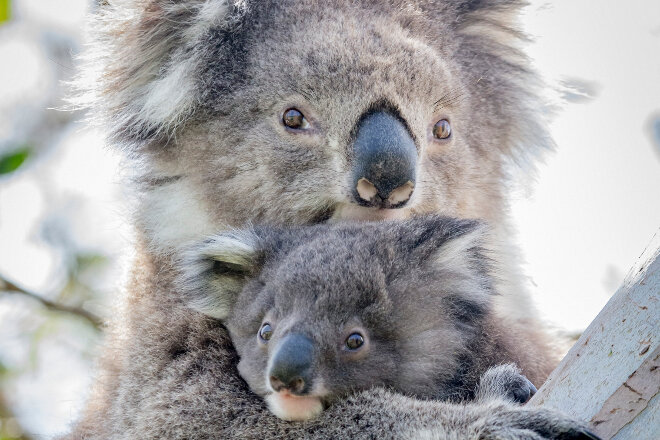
{"x": 611, "y": 376}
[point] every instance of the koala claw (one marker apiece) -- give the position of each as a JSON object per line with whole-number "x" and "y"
{"x": 505, "y": 381}
{"x": 537, "y": 424}
{"x": 590, "y": 435}
{"x": 521, "y": 390}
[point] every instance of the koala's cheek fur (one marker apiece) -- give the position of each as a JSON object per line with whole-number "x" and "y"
{"x": 264, "y": 177}
{"x": 253, "y": 365}
{"x": 428, "y": 360}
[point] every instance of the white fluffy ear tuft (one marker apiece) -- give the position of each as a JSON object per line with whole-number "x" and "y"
{"x": 140, "y": 72}
{"x": 213, "y": 272}
{"x": 461, "y": 249}
{"x": 464, "y": 255}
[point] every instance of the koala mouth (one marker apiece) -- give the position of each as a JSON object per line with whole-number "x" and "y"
{"x": 352, "y": 211}
{"x": 288, "y": 406}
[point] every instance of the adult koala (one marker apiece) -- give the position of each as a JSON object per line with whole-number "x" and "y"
{"x": 295, "y": 112}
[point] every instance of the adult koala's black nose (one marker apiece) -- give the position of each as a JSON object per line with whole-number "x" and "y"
{"x": 385, "y": 161}
{"x": 291, "y": 367}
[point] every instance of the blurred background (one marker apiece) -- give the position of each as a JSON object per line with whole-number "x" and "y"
{"x": 65, "y": 240}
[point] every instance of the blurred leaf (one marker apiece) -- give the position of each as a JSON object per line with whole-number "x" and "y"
{"x": 82, "y": 267}
{"x": 4, "y": 10}
{"x": 655, "y": 129}
{"x": 47, "y": 328}
{"x": 13, "y": 160}
{"x": 579, "y": 91}
{"x": 652, "y": 128}
{"x": 89, "y": 260}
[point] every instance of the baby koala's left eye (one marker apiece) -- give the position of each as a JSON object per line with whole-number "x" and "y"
{"x": 265, "y": 332}
{"x": 354, "y": 341}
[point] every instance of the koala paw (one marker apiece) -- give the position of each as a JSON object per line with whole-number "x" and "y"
{"x": 532, "y": 424}
{"x": 500, "y": 393}
{"x": 505, "y": 381}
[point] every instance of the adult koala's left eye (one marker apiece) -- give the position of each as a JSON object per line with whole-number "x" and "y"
{"x": 442, "y": 129}
{"x": 294, "y": 119}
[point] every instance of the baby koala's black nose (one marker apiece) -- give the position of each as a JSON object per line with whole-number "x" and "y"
{"x": 291, "y": 367}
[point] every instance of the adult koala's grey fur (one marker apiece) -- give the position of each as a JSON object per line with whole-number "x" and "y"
{"x": 317, "y": 313}
{"x": 197, "y": 94}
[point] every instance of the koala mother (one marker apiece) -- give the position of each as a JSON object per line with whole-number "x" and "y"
{"x": 298, "y": 112}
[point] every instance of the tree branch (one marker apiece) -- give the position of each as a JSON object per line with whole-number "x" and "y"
{"x": 94, "y": 320}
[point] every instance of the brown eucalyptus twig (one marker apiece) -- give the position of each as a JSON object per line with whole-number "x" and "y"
{"x": 94, "y": 320}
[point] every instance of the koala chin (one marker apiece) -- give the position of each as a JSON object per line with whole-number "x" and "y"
{"x": 294, "y": 408}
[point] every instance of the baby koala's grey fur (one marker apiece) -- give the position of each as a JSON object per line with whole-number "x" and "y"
{"x": 419, "y": 292}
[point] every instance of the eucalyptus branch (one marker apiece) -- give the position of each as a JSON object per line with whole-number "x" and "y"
{"x": 94, "y": 320}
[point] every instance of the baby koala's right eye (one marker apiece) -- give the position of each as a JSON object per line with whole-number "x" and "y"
{"x": 354, "y": 341}
{"x": 265, "y": 332}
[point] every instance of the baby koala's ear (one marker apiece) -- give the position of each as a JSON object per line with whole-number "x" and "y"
{"x": 214, "y": 271}
{"x": 463, "y": 245}
{"x": 456, "y": 250}
{"x": 443, "y": 240}
{"x": 454, "y": 246}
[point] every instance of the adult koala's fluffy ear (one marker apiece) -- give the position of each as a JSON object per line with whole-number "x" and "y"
{"x": 213, "y": 272}
{"x": 140, "y": 74}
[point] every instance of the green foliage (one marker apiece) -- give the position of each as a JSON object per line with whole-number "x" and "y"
{"x": 5, "y": 10}
{"x": 82, "y": 268}
{"x": 10, "y": 162}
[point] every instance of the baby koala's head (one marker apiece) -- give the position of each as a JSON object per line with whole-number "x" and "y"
{"x": 318, "y": 312}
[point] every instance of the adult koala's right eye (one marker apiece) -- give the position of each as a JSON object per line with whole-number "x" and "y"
{"x": 295, "y": 120}
{"x": 442, "y": 129}
{"x": 265, "y": 332}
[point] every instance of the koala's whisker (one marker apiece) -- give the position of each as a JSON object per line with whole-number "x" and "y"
{"x": 450, "y": 97}
{"x": 454, "y": 96}
{"x": 453, "y": 100}
{"x": 446, "y": 96}
{"x": 447, "y": 102}
{"x": 308, "y": 95}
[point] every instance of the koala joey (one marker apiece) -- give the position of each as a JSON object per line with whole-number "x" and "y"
{"x": 318, "y": 312}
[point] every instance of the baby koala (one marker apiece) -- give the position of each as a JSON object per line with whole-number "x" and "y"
{"x": 318, "y": 312}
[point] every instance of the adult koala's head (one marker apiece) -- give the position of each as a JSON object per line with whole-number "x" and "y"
{"x": 303, "y": 111}
{"x": 318, "y": 312}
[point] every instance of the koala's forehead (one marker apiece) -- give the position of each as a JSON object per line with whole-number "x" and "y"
{"x": 330, "y": 273}
{"x": 350, "y": 56}
{"x": 347, "y": 47}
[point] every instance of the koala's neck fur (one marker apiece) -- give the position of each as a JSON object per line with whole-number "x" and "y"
{"x": 170, "y": 214}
